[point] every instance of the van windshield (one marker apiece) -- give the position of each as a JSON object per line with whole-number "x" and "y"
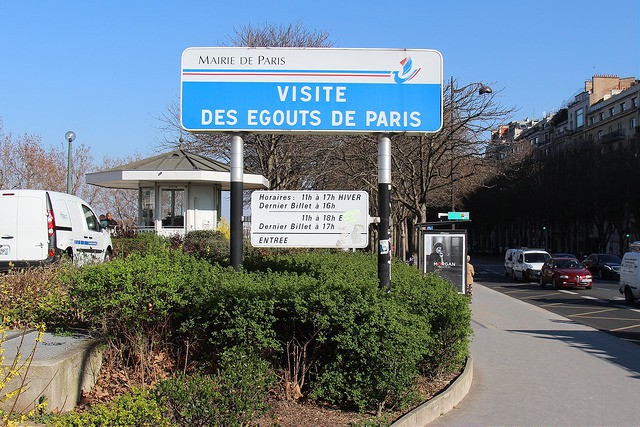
{"x": 536, "y": 257}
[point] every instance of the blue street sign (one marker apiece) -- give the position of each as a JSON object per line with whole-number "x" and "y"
{"x": 311, "y": 90}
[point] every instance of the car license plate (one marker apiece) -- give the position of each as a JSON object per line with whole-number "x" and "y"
{"x": 4, "y": 250}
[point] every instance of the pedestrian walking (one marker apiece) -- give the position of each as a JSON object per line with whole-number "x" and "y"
{"x": 470, "y": 273}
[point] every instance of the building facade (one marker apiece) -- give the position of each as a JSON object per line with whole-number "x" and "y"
{"x": 604, "y": 117}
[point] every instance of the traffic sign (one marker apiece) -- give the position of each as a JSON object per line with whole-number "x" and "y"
{"x": 323, "y": 90}
{"x": 312, "y": 219}
{"x": 464, "y": 216}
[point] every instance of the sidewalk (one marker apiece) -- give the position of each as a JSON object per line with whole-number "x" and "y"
{"x": 535, "y": 368}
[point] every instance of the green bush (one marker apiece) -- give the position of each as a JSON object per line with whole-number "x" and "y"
{"x": 134, "y": 409}
{"x": 142, "y": 243}
{"x": 235, "y": 396}
{"x": 320, "y": 317}
{"x": 377, "y": 352}
{"x": 34, "y": 295}
{"x": 131, "y": 302}
{"x": 208, "y": 244}
{"x": 317, "y": 317}
{"x": 448, "y": 314}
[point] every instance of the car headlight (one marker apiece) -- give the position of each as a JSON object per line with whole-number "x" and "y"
{"x": 608, "y": 267}
{"x": 564, "y": 276}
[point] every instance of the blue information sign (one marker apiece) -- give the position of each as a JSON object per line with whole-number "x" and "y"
{"x": 311, "y": 90}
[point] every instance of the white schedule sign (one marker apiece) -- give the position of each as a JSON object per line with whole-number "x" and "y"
{"x": 311, "y": 219}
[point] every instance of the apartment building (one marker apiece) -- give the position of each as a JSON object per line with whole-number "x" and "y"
{"x": 605, "y": 117}
{"x": 606, "y": 111}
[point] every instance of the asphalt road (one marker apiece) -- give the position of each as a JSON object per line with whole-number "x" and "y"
{"x": 601, "y": 307}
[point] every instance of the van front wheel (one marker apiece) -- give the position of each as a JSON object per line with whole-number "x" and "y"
{"x": 629, "y": 299}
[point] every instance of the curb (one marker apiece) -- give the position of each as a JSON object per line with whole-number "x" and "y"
{"x": 440, "y": 404}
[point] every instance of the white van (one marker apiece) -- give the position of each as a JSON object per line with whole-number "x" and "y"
{"x": 36, "y": 226}
{"x": 630, "y": 275}
{"x": 527, "y": 263}
{"x": 508, "y": 262}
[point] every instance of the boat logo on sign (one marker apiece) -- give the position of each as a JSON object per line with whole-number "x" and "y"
{"x": 407, "y": 73}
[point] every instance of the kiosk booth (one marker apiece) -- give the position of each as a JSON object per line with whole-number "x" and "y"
{"x": 178, "y": 191}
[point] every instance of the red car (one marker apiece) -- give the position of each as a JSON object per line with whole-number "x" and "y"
{"x": 565, "y": 273}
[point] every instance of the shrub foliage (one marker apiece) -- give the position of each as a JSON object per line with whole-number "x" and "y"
{"x": 316, "y": 318}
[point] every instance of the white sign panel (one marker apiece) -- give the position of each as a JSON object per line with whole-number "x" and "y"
{"x": 325, "y": 90}
{"x": 312, "y": 219}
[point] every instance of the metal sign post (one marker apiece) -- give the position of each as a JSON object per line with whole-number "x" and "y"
{"x": 235, "y": 223}
{"x": 384, "y": 210}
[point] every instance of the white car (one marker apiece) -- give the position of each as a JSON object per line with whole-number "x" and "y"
{"x": 527, "y": 263}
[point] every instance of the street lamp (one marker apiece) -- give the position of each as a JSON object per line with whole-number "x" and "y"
{"x": 69, "y": 136}
{"x": 482, "y": 90}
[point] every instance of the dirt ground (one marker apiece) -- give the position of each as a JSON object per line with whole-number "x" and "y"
{"x": 301, "y": 413}
{"x": 307, "y": 414}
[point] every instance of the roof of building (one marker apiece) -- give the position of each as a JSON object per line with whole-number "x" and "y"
{"x": 178, "y": 166}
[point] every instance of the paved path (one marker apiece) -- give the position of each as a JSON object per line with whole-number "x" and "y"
{"x": 536, "y": 368}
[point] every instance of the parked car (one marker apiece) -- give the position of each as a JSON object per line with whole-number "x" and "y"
{"x": 630, "y": 275}
{"x": 37, "y": 226}
{"x": 528, "y": 262}
{"x": 605, "y": 266}
{"x": 565, "y": 273}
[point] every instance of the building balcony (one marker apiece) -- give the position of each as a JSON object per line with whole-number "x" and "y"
{"x": 615, "y": 136}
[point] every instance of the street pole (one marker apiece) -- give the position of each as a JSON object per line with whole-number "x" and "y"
{"x": 384, "y": 210}
{"x": 237, "y": 161}
{"x": 482, "y": 90}
{"x": 69, "y": 136}
{"x": 453, "y": 197}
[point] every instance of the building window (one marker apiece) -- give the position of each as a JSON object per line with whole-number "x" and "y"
{"x": 632, "y": 123}
{"x": 620, "y": 126}
{"x": 579, "y": 117}
{"x": 611, "y": 112}
{"x": 621, "y": 107}
{"x": 173, "y": 207}
{"x": 147, "y": 206}
{"x": 634, "y": 102}
{"x": 610, "y": 129}
{"x": 601, "y": 115}
{"x": 599, "y": 134}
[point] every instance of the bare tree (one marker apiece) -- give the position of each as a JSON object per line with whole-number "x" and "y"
{"x": 288, "y": 161}
{"x": 432, "y": 170}
{"x": 26, "y": 164}
{"x": 272, "y": 35}
{"x": 123, "y": 204}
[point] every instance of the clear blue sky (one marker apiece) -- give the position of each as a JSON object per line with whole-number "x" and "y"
{"x": 108, "y": 70}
